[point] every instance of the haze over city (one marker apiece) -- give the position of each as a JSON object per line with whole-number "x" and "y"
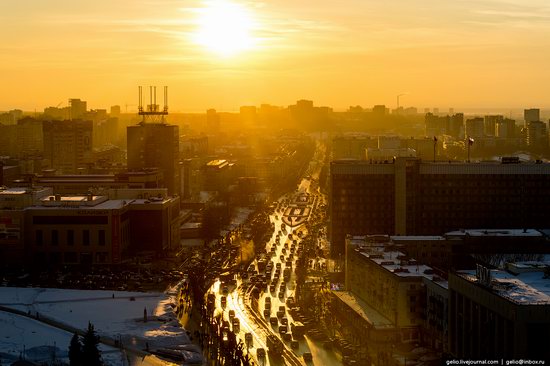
{"x": 487, "y": 53}
{"x": 254, "y": 183}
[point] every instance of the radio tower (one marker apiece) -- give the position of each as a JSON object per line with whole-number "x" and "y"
{"x": 152, "y": 113}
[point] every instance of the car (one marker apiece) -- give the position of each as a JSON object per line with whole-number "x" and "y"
{"x": 231, "y": 314}
{"x": 283, "y": 329}
{"x": 267, "y": 313}
{"x": 225, "y": 290}
{"x": 248, "y": 338}
{"x": 260, "y": 353}
{"x": 236, "y": 325}
{"x": 281, "y": 294}
{"x": 271, "y": 288}
{"x": 307, "y": 357}
{"x": 282, "y": 308}
{"x": 295, "y": 344}
{"x": 268, "y": 300}
{"x": 284, "y": 320}
{"x": 273, "y": 321}
{"x": 267, "y": 306}
{"x": 287, "y": 337}
{"x": 223, "y": 301}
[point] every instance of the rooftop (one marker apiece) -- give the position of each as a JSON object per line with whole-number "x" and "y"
{"x": 396, "y": 262}
{"x": 495, "y": 232}
{"x": 218, "y": 163}
{"x": 399, "y": 238}
{"x": 526, "y": 288}
{"x": 365, "y": 311}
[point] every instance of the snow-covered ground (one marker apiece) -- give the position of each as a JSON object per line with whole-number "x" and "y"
{"x": 115, "y": 314}
{"x": 33, "y": 340}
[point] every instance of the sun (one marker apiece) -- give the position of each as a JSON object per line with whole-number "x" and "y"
{"x": 224, "y": 28}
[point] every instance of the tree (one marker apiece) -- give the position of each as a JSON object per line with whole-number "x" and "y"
{"x": 90, "y": 351}
{"x": 75, "y": 351}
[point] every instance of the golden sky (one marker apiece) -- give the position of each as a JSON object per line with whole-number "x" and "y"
{"x": 457, "y": 53}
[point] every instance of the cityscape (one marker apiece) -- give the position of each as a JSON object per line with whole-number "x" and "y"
{"x": 298, "y": 209}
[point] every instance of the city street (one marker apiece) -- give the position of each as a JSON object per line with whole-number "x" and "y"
{"x": 262, "y": 297}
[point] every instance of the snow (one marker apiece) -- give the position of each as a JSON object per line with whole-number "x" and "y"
{"x": 120, "y": 317}
{"x": 39, "y": 341}
{"x": 525, "y": 288}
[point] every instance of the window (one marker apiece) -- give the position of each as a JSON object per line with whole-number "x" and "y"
{"x": 101, "y": 237}
{"x": 70, "y": 237}
{"x": 71, "y": 257}
{"x": 55, "y": 237}
{"x": 39, "y": 240}
{"x": 86, "y": 237}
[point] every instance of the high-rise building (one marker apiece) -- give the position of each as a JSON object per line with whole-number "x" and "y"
{"x": 115, "y": 110}
{"x": 505, "y": 128}
{"x": 155, "y": 145}
{"x": 77, "y": 108}
{"x": 67, "y": 144}
{"x": 475, "y": 127}
{"x": 531, "y": 115}
{"x": 212, "y": 121}
{"x": 444, "y": 125}
{"x": 537, "y": 135}
{"x": 491, "y": 124}
{"x": 412, "y": 197}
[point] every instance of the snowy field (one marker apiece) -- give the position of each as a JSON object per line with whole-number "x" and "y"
{"x": 115, "y": 315}
{"x": 20, "y": 336}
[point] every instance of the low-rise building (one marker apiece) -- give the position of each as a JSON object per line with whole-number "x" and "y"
{"x": 500, "y": 314}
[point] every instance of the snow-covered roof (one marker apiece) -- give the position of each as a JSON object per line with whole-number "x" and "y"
{"x": 526, "y": 288}
{"x": 397, "y": 263}
{"x": 495, "y": 232}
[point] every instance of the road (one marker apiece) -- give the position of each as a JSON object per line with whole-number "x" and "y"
{"x": 299, "y": 207}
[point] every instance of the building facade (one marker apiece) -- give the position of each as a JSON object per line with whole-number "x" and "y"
{"x": 411, "y": 197}
{"x": 155, "y": 145}
{"x": 68, "y": 145}
{"x": 500, "y": 315}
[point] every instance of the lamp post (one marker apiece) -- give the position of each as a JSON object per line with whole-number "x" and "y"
{"x": 435, "y": 146}
{"x": 470, "y": 143}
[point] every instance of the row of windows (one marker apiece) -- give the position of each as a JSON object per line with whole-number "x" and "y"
{"x": 72, "y": 257}
{"x": 54, "y": 237}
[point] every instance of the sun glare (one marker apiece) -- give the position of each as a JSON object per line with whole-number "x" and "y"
{"x": 224, "y": 28}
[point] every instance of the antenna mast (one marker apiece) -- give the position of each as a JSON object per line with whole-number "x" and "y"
{"x": 152, "y": 113}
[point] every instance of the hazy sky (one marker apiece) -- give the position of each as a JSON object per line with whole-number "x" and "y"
{"x": 458, "y": 53}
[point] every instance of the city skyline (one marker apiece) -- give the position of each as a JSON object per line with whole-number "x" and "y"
{"x": 490, "y": 52}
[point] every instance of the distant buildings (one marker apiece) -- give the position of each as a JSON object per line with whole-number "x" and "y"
{"x": 531, "y": 115}
{"x": 537, "y": 135}
{"x": 68, "y": 144}
{"x": 475, "y": 127}
{"x": 77, "y": 108}
{"x": 212, "y": 121}
{"x": 413, "y": 197}
{"x": 444, "y": 125}
{"x": 155, "y": 145}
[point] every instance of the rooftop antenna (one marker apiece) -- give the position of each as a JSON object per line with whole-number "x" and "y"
{"x": 152, "y": 113}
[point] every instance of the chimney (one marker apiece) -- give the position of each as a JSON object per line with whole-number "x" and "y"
{"x": 58, "y": 197}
